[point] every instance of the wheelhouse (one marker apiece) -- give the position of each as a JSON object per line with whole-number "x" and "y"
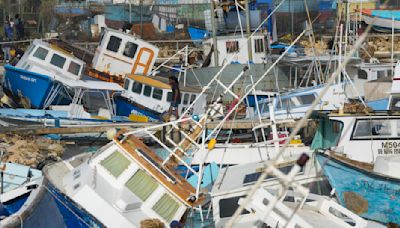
{"x": 360, "y": 137}
{"x": 44, "y": 58}
{"x": 120, "y": 53}
{"x": 156, "y": 94}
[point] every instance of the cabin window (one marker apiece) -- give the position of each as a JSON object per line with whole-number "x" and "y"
{"x": 74, "y": 68}
{"x": 395, "y": 103}
{"x": 41, "y": 53}
{"x": 157, "y": 94}
{"x": 130, "y": 49}
{"x": 166, "y": 207}
{"x": 362, "y": 74}
{"x": 58, "y": 61}
{"x": 137, "y": 87}
{"x": 381, "y": 73}
{"x": 373, "y": 128}
{"x": 147, "y": 91}
{"x": 286, "y": 104}
{"x": 126, "y": 84}
{"x": 116, "y": 163}
{"x": 192, "y": 98}
{"x": 169, "y": 96}
{"x": 306, "y": 99}
{"x": 258, "y": 45}
{"x": 232, "y": 46}
{"x": 227, "y": 207}
{"x": 185, "y": 99}
{"x": 113, "y": 44}
{"x": 141, "y": 184}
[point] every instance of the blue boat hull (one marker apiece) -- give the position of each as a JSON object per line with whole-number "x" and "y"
{"x": 372, "y": 196}
{"x": 32, "y": 86}
{"x": 125, "y": 107}
{"x": 53, "y": 209}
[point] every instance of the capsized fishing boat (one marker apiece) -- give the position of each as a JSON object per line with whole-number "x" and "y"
{"x": 57, "y": 77}
{"x": 141, "y": 183}
{"x": 150, "y": 96}
{"x": 382, "y": 19}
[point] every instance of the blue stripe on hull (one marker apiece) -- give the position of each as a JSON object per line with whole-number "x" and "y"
{"x": 33, "y": 86}
{"x": 377, "y": 197}
{"x": 124, "y": 108}
{"x": 50, "y": 210}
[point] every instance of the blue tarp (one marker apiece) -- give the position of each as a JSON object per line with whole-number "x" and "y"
{"x": 197, "y": 34}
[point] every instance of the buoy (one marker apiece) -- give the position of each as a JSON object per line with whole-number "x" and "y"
{"x": 111, "y": 133}
{"x": 196, "y": 118}
{"x": 211, "y": 144}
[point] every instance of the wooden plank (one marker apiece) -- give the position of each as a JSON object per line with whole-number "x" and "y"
{"x": 35, "y": 130}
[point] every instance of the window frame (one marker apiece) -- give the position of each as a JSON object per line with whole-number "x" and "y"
{"x": 151, "y": 90}
{"x": 37, "y": 49}
{"x": 185, "y": 99}
{"x": 78, "y": 64}
{"x": 232, "y": 46}
{"x": 61, "y": 57}
{"x": 375, "y": 137}
{"x": 304, "y": 95}
{"x": 259, "y": 46}
{"x": 113, "y": 46}
{"x": 154, "y": 92}
{"x": 133, "y": 86}
{"x": 134, "y": 51}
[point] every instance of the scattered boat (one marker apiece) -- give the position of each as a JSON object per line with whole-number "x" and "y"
{"x": 151, "y": 97}
{"x": 294, "y": 104}
{"x": 363, "y": 154}
{"x": 19, "y": 187}
{"x": 369, "y": 190}
{"x": 382, "y": 19}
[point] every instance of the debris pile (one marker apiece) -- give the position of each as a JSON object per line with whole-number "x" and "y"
{"x": 381, "y": 47}
{"x": 29, "y": 150}
{"x": 321, "y": 47}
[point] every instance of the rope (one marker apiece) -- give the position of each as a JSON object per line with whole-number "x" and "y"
{"x": 299, "y": 125}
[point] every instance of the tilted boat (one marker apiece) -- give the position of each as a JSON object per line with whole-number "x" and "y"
{"x": 382, "y": 19}
{"x": 151, "y": 96}
{"x": 360, "y": 158}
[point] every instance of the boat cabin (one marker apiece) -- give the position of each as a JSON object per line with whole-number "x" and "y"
{"x": 230, "y": 45}
{"x": 155, "y": 93}
{"x": 120, "y": 53}
{"x": 360, "y": 137}
{"x": 124, "y": 183}
{"x": 295, "y": 104}
{"x": 44, "y": 58}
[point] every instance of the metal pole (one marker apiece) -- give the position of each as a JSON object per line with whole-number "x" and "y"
{"x": 248, "y": 31}
{"x": 130, "y": 11}
{"x": 214, "y": 33}
{"x": 391, "y": 60}
{"x": 141, "y": 18}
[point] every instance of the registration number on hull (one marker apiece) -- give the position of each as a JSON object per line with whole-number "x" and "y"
{"x": 390, "y": 147}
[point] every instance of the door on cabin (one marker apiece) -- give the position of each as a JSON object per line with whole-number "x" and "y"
{"x": 144, "y": 62}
